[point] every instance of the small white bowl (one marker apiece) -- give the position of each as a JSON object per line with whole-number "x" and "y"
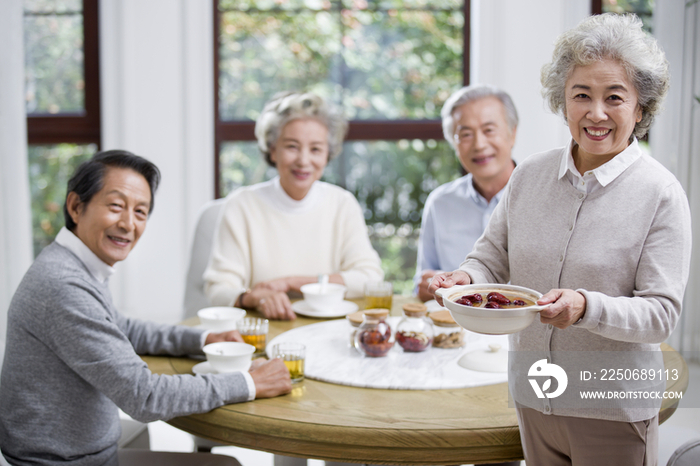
{"x": 223, "y": 318}
{"x": 491, "y": 321}
{"x": 229, "y": 356}
{"x": 332, "y": 295}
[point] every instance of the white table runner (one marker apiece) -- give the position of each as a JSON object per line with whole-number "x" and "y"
{"x": 329, "y": 358}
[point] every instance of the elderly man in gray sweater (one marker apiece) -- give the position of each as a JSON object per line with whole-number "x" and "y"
{"x": 72, "y": 360}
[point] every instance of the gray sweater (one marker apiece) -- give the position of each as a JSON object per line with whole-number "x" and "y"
{"x": 626, "y": 247}
{"x": 72, "y": 359}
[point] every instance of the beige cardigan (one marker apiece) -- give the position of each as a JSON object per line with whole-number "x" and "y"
{"x": 626, "y": 247}
{"x": 264, "y": 234}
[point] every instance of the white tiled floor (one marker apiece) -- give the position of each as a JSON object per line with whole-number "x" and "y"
{"x": 684, "y": 425}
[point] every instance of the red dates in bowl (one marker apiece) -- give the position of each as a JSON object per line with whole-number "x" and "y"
{"x": 470, "y": 300}
{"x": 494, "y": 300}
{"x": 504, "y": 308}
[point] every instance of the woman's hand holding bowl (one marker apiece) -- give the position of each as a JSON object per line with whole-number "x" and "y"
{"x": 448, "y": 280}
{"x": 567, "y": 307}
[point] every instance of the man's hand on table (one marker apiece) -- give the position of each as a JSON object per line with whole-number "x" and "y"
{"x": 271, "y": 378}
{"x": 231, "y": 335}
{"x": 448, "y": 280}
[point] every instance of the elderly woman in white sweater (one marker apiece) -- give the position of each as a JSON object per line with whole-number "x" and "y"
{"x": 602, "y": 229}
{"x": 281, "y": 234}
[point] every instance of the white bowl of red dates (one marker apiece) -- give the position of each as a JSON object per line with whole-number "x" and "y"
{"x": 491, "y": 309}
{"x": 322, "y": 297}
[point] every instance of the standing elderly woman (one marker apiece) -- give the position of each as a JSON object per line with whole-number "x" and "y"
{"x": 599, "y": 226}
{"x": 281, "y": 234}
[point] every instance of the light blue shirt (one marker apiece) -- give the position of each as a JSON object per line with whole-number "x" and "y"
{"x": 454, "y": 217}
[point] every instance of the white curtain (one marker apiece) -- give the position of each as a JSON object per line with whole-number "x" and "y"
{"x": 675, "y": 141}
{"x": 15, "y": 211}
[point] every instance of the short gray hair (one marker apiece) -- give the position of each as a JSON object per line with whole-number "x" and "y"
{"x": 470, "y": 94}
{"x": 616, "y": 37}
{"x": 287, "y": 106}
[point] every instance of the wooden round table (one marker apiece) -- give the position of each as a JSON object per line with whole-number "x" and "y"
{"x": 341, "y": 423}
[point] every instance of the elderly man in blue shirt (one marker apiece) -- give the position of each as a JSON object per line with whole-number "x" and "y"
{"x": 480, "y": 123}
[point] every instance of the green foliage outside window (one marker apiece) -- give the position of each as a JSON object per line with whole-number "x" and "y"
{"x": 642, "y": 8}
{"x": 50, "y": 168}
{"x": 53, "y": 45}
{"x": 381, "y": 60}
{"x": 53, "y": 42}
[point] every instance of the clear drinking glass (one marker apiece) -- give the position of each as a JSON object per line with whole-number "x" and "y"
{"x": 254, "y": 332}
{"x": 378, "y": 295}
{"x": 293, "y": 355}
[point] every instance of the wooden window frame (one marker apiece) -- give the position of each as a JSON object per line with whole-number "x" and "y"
{"x": 84, "y": 127}
{"x": 359, "y": 130}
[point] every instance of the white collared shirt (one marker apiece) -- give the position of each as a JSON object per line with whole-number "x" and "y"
{"x": 102, "y": 272}
{"x": 600, "y": 177}
{"x": 94, "y": 264}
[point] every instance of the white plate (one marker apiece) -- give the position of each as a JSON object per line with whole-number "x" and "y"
{"x": 341, "y": 310}
{"x": 203, "y": 368}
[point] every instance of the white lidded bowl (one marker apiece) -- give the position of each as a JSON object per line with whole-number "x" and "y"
{"x": 223, "y": 318}
{"x": 321, "y": 299}
{"x": 229, "y": 356}
{"x": 491, "y": 321}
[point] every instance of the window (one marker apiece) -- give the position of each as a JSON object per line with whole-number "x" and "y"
{"x": 390, "y": 64}
{"x": 63, "y": 106}
{"x": 642, "y": 8}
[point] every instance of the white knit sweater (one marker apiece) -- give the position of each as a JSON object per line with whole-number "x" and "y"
{"x": 264, "y": 234}
{"x": 625, "y": 246}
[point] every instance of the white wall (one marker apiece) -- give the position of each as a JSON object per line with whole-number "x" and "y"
{"x": 675, "y": 140}
{"x": 511, "y": 40}
{"x": 15, "y": 212}
{"x": 157, "y": 101}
